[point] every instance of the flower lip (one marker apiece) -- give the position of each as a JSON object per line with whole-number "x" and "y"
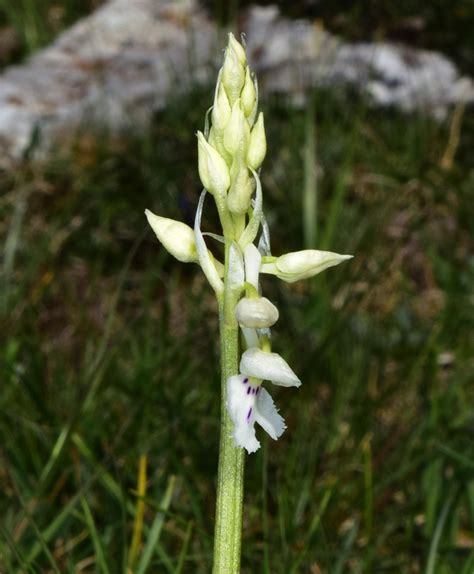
{"x": 248, "y": 403}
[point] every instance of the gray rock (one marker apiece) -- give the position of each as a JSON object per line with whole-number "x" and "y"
{"x": 115, "y": 68}
{"x": 292, "y": 56}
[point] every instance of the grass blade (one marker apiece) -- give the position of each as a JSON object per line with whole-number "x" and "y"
{"x": 97, "y": 542}
{"x": 155, "y": 531}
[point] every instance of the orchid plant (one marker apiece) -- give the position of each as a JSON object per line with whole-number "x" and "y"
{"x": 230, "y": 154}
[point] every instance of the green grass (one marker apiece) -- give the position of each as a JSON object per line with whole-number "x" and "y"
{"x": 109, "y": 351}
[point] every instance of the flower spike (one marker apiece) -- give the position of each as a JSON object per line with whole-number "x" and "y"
{"x": 230, "y": 154}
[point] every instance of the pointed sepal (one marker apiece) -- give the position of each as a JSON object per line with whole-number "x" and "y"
{"x": 176, "y": 237}
{"x": 298, "y": 265}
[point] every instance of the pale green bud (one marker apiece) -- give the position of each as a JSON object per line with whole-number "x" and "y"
{"x": 177, "y": 237}
{"x": 233, "y": 70}
{"x": 213, "y": 169}
{"x": 298, "y": 265}
{"x": 216, "y": 140}
{"x": 221, "y": 109}
{"x": 257, "y": 313}
{"x": 237, "y": 132}
{"x": 241, "y": 188}
{"x": 257, "y": 144}
{"x": 238, "y": 49}
{"x": 248, "y": 95}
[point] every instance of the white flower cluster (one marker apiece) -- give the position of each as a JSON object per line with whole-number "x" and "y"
{"x": 230, "y": 154}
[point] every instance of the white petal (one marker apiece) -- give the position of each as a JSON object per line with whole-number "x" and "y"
{"x": 267, "y": 415}
{"x": 298, "y": 265}
{"x": 241, "y": 399}
{"x": 256, "y": 313}
{"x": 205, "y": 261}
{"x": 253, "y": 260}
{"x": 176, "y": 237}
{"x": 268, "y": 366}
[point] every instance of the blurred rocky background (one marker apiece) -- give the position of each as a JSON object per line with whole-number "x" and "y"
{"x": 120, "y": 64}
{"x": 109, "y": 347}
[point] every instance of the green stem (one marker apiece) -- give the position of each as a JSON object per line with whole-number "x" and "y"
{"x": 230, "y": 477}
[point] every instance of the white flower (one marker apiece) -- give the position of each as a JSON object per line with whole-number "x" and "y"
{"x": 270, "y": 366}
{"x": 256, "y": 313}
{"x": 176, "y": 237}
{"x": 298, "y": 265}
{"x": 249, "y": 403}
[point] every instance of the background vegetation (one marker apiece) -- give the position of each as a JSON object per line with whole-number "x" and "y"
{"x": 109, "y": 350}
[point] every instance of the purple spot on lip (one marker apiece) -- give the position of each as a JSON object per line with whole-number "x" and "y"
{"x": 246, "y": 381}
{"x": 258, "y": 390}
{"x": 248, "y": 390}
{"x": 249, "y": 413}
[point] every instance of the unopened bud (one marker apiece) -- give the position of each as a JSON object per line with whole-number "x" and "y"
{"x": 241, "y": 188}
{"x": 233, "y": 71}
{"x": 177, "y": 237}
{"x": 238, "y": 49}
{"x": 248, "y": 95}
{"x": 237, "y": 132}
{"x": 213, "y": 169}
{"x": 256, "y": 313}
{"x": 216, "y": 140}
{"x": 221, "y": 109}
{"x": 298, "y": 265}
{"x": 257, "y": 144}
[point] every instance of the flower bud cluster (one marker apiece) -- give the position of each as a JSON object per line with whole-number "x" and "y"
{"x": 236, "y": 141}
